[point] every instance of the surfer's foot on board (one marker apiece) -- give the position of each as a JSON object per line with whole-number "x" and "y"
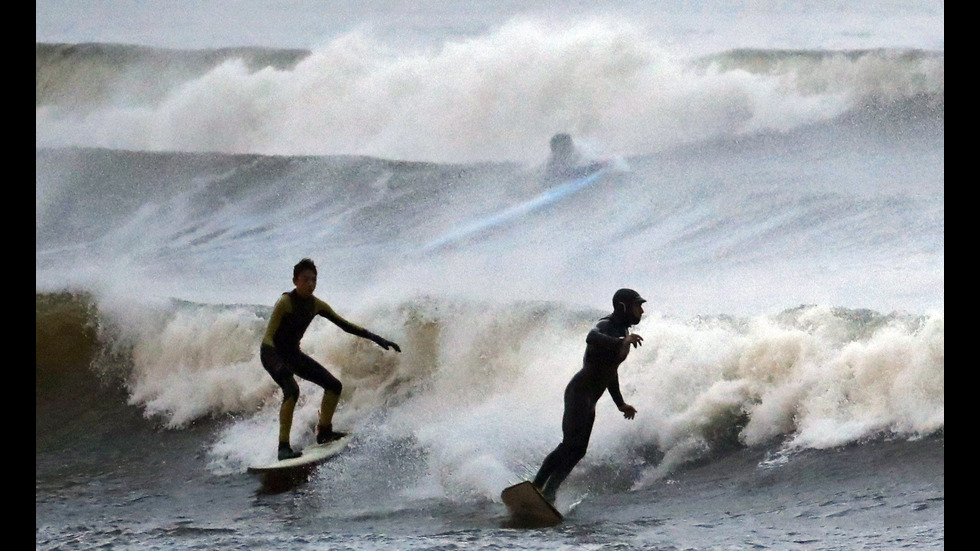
{"x": 286, "y": 452}
{"x": 548, "y": 494}
{"x": 326, "y": 434}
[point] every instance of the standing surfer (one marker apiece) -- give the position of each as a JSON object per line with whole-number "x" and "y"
{"x": 282, "y": 358}
{"x": 607, "y": 346}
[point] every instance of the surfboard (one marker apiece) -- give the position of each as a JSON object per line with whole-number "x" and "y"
{"x": 312, "y": 456}
{"x": 528, "y": 508}
{"x": 544, "y": 199}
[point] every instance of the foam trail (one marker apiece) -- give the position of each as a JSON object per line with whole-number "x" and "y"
{"x": 544, "y": 199}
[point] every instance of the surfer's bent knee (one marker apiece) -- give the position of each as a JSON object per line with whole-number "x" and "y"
{"x": 290, "y": 390}
{"x": 274, "y": 364}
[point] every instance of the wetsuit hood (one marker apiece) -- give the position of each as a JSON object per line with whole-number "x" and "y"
{"x": 625, "y": 299}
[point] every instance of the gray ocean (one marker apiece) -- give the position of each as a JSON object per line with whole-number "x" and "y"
{"x": 774, "y": 186}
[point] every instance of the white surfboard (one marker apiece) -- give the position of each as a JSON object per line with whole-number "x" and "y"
{"x": 312, "y": 456}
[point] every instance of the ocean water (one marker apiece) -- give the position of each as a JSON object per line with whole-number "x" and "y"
{"x": 774, "y": 187}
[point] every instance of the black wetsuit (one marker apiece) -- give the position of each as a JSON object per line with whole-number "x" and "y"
{"x": 600, "y": 372}
{"x": 280, "y": 353}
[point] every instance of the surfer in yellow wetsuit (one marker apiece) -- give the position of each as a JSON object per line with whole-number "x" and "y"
{"x": 282, "y": 358}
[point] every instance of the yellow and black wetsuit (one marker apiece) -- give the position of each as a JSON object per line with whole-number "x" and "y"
{"x": 280, "y": 352}
{"x": 600, "y": 372}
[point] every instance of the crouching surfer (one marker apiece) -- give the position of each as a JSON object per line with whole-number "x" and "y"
{"x": 565, "y": 161}
{"x": 282, "y": 357}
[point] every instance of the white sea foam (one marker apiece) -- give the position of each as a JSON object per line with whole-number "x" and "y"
{"x": 479, "y": 387}
{"x": 496, "y": 96}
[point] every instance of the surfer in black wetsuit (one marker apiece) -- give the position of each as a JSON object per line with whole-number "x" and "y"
{"x": 607, "y": 345}
{"x": 282, "y": 358}
{"x": 565, "y": 162}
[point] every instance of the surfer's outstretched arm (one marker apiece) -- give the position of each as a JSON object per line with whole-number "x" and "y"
{"x": 326, "y": 311}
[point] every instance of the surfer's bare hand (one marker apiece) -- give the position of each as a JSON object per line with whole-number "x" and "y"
{"x": 629, "y": 411}
{"x": 634, "y": 339}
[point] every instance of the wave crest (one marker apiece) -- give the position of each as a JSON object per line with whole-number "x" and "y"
{"x": 495, "y": 97}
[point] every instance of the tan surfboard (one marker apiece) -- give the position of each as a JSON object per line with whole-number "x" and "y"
{"x": 528, "y": 508}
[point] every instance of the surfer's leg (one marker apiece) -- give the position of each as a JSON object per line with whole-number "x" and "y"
{"x": 557, "y": 456}
{"x": 308, "y": 368}
{"x": 285, "y": 425}
{"x": 324, "y": 428}
{"x": 548, "y": 467}
{"x": 576, "y": 425}
{"x": 274, "y": 364}
{"x": 573, "y": 449}
{"x": 556, "y": 468}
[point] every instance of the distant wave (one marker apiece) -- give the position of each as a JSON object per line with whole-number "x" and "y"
{"x": 871, "y": 76}
{"x": 492, "y": 97}
{"x": 85, "y": 76}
